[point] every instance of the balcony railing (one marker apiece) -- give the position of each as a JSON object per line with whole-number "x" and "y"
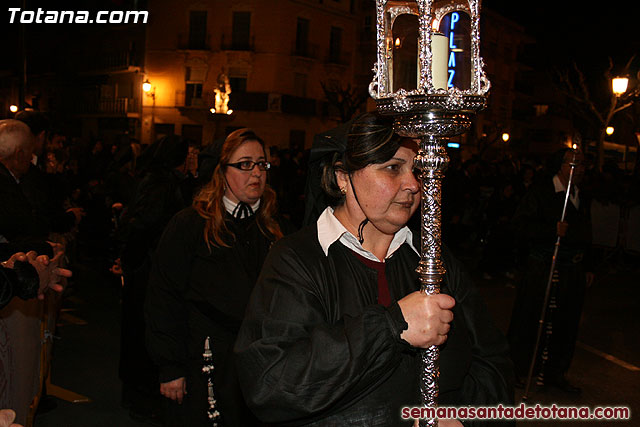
{"x": 242, "y": 45}
{"x": 106, "y": 106}
{"x": 307, "y": 50}
{"x": 338, "y": 58}
{"x": 185, "y": 43}
{"x": 111, "y": 61}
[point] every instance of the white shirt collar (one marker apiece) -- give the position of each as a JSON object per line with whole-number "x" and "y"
{"x": 14, "y": 177}
{"x": 230, "y": 206}
{"x": 560, "y": 188}
{"x": 331, "y": 229}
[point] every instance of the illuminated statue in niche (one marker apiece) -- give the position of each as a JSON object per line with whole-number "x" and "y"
{"x": 222, "y": 94}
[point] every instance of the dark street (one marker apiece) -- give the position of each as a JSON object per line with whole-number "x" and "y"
{"x": 606, "y": 364}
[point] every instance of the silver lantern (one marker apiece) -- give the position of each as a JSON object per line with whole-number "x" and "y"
{"x": 430, "y": 77}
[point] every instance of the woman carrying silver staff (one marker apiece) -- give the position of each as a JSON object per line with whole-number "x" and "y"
{"x": 537, "y": 224}
{"x": 205, "y": 266}
{"x": 334, "y": 324}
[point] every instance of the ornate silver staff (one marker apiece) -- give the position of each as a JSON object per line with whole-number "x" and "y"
{"x": 545, "y": 302}
{"x": 429, "y": 76}
{"x": 207, "y": 369}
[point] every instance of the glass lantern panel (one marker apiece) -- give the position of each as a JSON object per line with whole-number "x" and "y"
{"x": 456, "y": 27}
{"x": 400, "y": 34}
{"x": 405, "y": 52}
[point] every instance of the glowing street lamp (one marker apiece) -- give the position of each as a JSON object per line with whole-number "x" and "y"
{"x": 150, "y": 91}
{"x": 619, "y": 85}
{"x": 505, "y": 137}
{"x": 609, "y": 130}
{"x": 146, "y": 86}
{"x": 13, "y": 108}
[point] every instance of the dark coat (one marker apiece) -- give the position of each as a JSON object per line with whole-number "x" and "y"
{"x": 20, "y": 225}
{"x": 46, "y": 194}
{"x": 21, "y": 281}
{"x": 315, "y": 347}
{"x": 158, "y": 198}
{"x": 539, "y": 211}
{"x": 195, "y": 292}
{"x": 535, "y": 222}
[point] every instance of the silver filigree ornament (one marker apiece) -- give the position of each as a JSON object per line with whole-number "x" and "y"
{"x": 400, "y": 101}
{"x": 433, "y": 114}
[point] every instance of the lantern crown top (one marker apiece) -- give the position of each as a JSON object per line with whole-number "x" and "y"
{"x": 428, "y": 47}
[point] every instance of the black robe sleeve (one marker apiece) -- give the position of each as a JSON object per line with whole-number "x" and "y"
{"x": 21, "y": 281}
{"x": 295, "y": 361}
{"x": 165, "y": 307}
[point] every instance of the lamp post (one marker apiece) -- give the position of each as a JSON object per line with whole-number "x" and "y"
{"x": 150, "y": 91}
{"x": 432, "y": 83}
{"x": 619, "y": 87}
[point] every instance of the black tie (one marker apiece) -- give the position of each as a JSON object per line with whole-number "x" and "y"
{"x": 242, "y": 210}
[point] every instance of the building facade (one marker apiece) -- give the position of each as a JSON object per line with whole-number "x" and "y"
{"x": 270, "y": 59}
{"x": 287, "y": 68}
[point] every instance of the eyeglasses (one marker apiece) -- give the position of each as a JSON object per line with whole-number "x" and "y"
{"x": 248, "y": 165}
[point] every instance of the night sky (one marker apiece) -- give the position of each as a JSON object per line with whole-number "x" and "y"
{"x": 568, "y": 30}
{"x": 565, "y": 30}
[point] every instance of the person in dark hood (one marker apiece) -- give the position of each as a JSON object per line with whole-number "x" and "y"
{"x": 158, "y": 197}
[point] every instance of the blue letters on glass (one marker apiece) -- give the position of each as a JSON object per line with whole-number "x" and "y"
{"x": 453, "y": 20}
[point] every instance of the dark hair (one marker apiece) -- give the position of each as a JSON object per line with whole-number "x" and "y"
{"x": 555, "y": 162}
{"x": 37, "y": 121}
{"x": 167, "y": 152}
{"x": 370, "y": 140}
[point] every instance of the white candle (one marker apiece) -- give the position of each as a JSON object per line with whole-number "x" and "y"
{"x": 440, "y": 53}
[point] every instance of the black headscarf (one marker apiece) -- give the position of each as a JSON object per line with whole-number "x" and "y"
{"x": 325, "y": 146}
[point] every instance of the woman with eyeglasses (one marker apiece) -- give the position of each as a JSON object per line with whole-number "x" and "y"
{"x": 204, "y": 269}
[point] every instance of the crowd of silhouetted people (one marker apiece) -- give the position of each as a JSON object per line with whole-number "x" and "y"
{"x": 112, "y": 198}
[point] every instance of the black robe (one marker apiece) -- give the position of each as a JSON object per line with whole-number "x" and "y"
{"x": 535, "y": 222}
{"x": 21, "y": 280}
{"x": 195, "y": 292}
{"x": 158, "y": 198}
{"x": 315, "y": 347}
{"x": 20, "y": 225}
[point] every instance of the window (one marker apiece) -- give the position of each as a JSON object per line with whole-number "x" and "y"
{"x": 195, "y": 74}
{"x": 296, "y": 139}
{"x": 193, "y": 94}
{"x": 368, "y": 28}
{"x": 238, "y": 84}
{"x": 238, "y": 79}
{"x": 541, "y": 110}
{"x": 163, "y": 129}
{"x": 300, "y": 85}
{"x": 335, "y": 44}
{"x": 302, "y": 37}
{"x": 197, "y": 29}
{"x": 241, "y": 30}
